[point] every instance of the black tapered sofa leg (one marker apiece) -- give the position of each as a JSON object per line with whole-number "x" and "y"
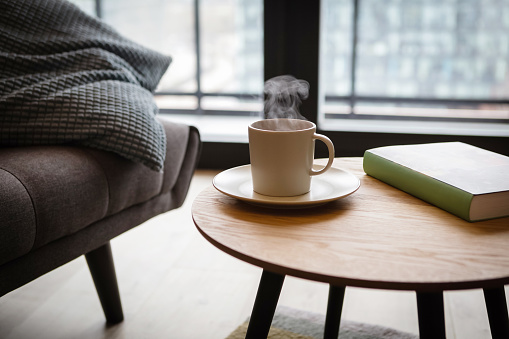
{"x": 102, "y": 268}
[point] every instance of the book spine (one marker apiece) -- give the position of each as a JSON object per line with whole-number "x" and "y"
{"x": 433, "y": 191}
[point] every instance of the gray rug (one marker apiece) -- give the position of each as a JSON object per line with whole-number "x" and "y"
{"x": 295, "y": 324}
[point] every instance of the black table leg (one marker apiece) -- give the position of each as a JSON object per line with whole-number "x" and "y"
{"x": 497, "y": 312}
{"x": 265, "y": 305}
{"x": 334, "y": 308}
{"x": 430, "y": 308}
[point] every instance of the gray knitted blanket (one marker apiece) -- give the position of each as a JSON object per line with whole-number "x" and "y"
{"x": 68, "y": 78}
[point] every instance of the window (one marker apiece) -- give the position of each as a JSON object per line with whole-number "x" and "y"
{"x": 428, "y": 67}
{"x": 420, "y": 60}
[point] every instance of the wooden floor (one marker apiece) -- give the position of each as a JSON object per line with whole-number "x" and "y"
{"x": 174, "y": 284}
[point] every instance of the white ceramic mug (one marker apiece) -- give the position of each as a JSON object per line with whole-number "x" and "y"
{"x": 282, "y": 154}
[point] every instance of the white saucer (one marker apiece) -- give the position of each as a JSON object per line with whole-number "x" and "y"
{"x": 332, "y": 185}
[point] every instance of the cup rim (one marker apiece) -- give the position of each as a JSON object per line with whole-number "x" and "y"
{"x": 311, "y": 125}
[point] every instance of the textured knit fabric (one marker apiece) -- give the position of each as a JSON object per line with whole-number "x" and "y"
{"x": 68, "y": 78}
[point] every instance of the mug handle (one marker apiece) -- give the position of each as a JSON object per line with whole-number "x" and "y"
{"x": 330, "y": 147}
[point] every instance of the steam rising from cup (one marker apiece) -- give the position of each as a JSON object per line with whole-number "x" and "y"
{"x": 283, "y": 95}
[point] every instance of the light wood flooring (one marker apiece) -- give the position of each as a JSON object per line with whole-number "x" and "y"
{"x": 174, "y": 284}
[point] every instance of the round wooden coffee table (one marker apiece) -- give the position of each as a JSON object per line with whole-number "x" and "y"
{"x": 378, "y": 237}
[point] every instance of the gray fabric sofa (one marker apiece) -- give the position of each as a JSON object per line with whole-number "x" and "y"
{"x": 60, "y": 202}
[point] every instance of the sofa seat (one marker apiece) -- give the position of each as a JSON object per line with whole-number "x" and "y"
{"x": 59, "y": 202}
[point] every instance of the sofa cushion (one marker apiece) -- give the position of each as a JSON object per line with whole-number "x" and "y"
{"x": 49, "y": 192}
{"x": 129, "y": 183}
{"x": 67, "y": 190}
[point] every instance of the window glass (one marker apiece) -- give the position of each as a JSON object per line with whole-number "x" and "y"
{"x": 337, "y": 46}
{"x": 166, "y": 26}
{"x": 421, "y": 58}
{"x": 88, "y": 6}
{"x": 232, "y": 46}
{"x": 433, "y": 49}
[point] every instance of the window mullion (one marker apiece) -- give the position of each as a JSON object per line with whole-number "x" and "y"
{"x": 199, "y": 94}
{"x": 98, "y": 8}
{"x": 355, "y": 25}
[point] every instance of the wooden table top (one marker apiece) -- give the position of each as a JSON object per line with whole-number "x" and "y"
{"x": 378, "y": 237}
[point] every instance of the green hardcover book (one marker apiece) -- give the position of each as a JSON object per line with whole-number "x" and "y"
{"x": 467, "y": 181}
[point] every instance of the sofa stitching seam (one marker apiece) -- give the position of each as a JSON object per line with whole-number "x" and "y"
{"x": 98, "y": 163}
{"x": 33, "y": 205}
